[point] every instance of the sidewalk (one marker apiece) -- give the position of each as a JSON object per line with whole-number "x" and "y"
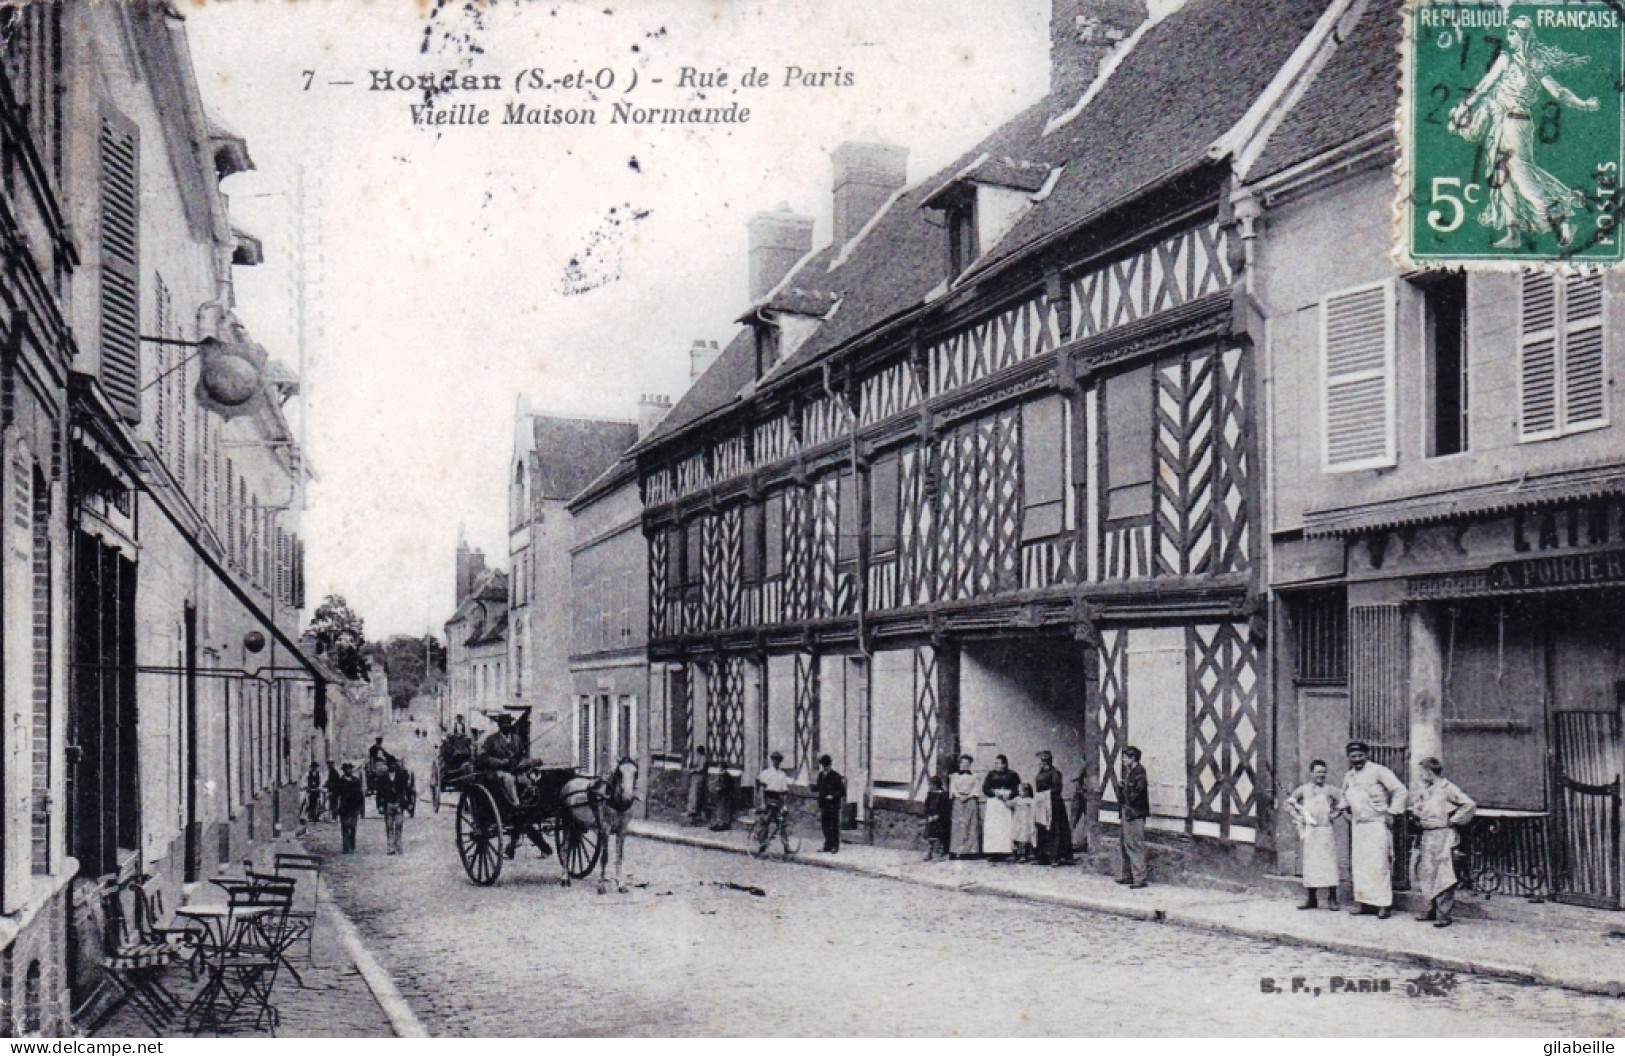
{"x": 346, "y": 994}
{"x": 1550, "y": 945}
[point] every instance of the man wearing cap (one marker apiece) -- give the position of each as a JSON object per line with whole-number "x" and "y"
{"x": 831, "y": 789}
{"x": 1373, "y": 797}
{"x": 774, "y": 783}
{"x": 1136, "y": 807}
{"x": 501, "y": 754}
{"x": 352, "y": 800}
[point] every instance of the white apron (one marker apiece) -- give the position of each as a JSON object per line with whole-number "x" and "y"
{"x": 998, "y": 827}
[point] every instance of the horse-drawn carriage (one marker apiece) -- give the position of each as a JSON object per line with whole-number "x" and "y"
{"x": 555, "y": 804}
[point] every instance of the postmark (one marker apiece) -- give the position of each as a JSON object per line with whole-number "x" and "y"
{"x": 1510, "y": 133}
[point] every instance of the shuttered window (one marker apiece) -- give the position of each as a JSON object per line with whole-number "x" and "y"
{"x": 883, "y": 496}
{"x": 752, "y": 516}
{"x": 1561, "y": 365}
{"x": 1043, "y": 469}
{"x": 1357, "y": 366}
{"x": 120, "y": 265}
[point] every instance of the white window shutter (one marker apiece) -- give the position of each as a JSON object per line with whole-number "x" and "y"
{"x": 1562, "y": 356}
{"x": 1584, "y": 400}
{"x": 1357, "y": 365}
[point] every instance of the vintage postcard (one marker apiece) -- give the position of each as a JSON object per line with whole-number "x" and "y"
{"x": 709, "y": 519}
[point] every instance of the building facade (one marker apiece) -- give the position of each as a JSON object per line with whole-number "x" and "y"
{"x": 554, "y": 459}
{"x": 156, "y": 705}
{"x": 983, "y": 475}
{"x": 477, "y": 646}
{"x": 1446, "y": 493}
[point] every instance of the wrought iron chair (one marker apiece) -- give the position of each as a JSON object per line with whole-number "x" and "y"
{"x": 135, "y": 953}
{"x": 241, "y": 959}
{"x": 307, "y": 868}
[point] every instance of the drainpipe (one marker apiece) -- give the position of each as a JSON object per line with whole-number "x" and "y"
{"x": 865, "y": 725}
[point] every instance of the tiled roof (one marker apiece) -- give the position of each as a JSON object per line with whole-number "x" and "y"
{"x": 1187, "y": 82}
{"x": 571, "y": 452}
{"x": 1356, "y": 93}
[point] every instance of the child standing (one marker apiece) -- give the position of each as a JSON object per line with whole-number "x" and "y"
{"x": 1024, "y": 832}
{"x": 936, "y": 819}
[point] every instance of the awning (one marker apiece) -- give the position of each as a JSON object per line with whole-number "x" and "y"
{"x": 1528, "y": 491}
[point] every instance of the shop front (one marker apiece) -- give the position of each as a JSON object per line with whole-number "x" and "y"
{"x": 1497, "y": 643}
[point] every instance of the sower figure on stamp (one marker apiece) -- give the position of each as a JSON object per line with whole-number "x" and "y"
{"x": 1313, "y": 807}
{"x": 1440, "y": 807}
{"x": 831, "y": 790}
{"x": 1373, "y": 797}
{"x": 1136, "y": 807}
{"x": 1503, "y": 113}
{"x": 620, "y": 795}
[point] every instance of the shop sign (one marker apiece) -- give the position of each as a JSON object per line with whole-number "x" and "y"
{"x": 1568, "y": 570}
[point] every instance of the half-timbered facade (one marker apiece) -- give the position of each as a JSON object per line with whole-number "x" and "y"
{"x": 981, "y": 476}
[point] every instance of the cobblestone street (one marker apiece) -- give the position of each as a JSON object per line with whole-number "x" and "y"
{"x": 822, "y": 952}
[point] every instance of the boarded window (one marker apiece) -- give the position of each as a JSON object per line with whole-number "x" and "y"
{"x": 846, "y": 518}
{"x": 883, "y": 480}
{"x": 1128, "y": 444}
{"x": 693, "y": 557}
{"x": 773, "y": 535}
{"x": 120, "y": 308}
{"x": 1043, "y": 468}
{"x": 1561, "y": 375}
{"x": 1357, "y": 359}
{"x": 753, "y": 544}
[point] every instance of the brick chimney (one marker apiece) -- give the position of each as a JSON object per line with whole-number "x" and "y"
{"x": 700, "y": 358}
{"x": 866, "y": 175}
{"x": 777, "y": 240}
{"x": 650, "y": 410}
{"x": 1082, "y": 33}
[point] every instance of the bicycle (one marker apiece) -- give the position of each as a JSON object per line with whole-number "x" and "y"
{"x": 771, "y": 822}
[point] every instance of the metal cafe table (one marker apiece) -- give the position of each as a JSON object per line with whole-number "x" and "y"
{"x": 224, "y": 929}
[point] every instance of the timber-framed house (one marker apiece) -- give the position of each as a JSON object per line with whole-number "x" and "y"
{"x": 981, "y": 475}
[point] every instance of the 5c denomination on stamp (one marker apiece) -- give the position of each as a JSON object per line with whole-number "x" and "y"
{"x": 1510, "y": 132}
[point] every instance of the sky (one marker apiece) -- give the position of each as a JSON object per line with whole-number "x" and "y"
{"x": 440, "y": 284}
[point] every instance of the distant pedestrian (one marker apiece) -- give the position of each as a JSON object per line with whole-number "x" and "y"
{"x": 1374, "y": 798}
{"x": 620, "y": 795}
{"x": 1136, "y": 807}
{"x": 352, "y": 801}
{"x": 698, "y": 769}
{"x": 1053, "y": 831}
{"x": 332, "y": 790}
{"x": 1441, "y": 808}
{"x": 965, "y": 792}
{"x": 725, "y": 800}
{"x": 831, "y": 789}
{"x": 999, "y": 787}
{"x": 1023, "y": 831}
{"x": 310, "y": 808}
{"x": 938, "y": 815}
{"x": 393, "y": 790}
{"x": 1313, "y": 808}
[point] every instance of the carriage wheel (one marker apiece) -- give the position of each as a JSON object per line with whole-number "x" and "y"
{"x": 579, "y": 847}
{"x": 479, "y": 835}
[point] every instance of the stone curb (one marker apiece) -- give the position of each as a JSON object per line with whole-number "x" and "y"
{"x": 402, "y": 1020}
{"x": 1187, "y": 919}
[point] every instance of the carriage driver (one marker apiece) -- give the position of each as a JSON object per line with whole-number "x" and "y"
{"x": 503, "y": 754}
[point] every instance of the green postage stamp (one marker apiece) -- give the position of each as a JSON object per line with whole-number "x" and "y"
{"x": 1510, "y": 130}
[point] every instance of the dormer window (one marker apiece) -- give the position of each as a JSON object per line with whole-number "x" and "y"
{"x": 982, "y": 203}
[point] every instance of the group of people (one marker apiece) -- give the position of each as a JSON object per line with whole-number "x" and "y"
{"x": 772, "y": 784}
{"x": 999, "y": 817}
{"x": 343, "y": 795}
{"x": 1374, "y": 800}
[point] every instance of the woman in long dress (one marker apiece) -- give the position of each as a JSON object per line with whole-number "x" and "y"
{"x": 1313, "y": 806}
{"x": 966, "y": 793}
{"x": 1502, "y": 113}
{"x": 998, "y": 820}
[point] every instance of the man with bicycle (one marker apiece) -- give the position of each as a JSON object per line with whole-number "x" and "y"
{"x": 773, "y": 784}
